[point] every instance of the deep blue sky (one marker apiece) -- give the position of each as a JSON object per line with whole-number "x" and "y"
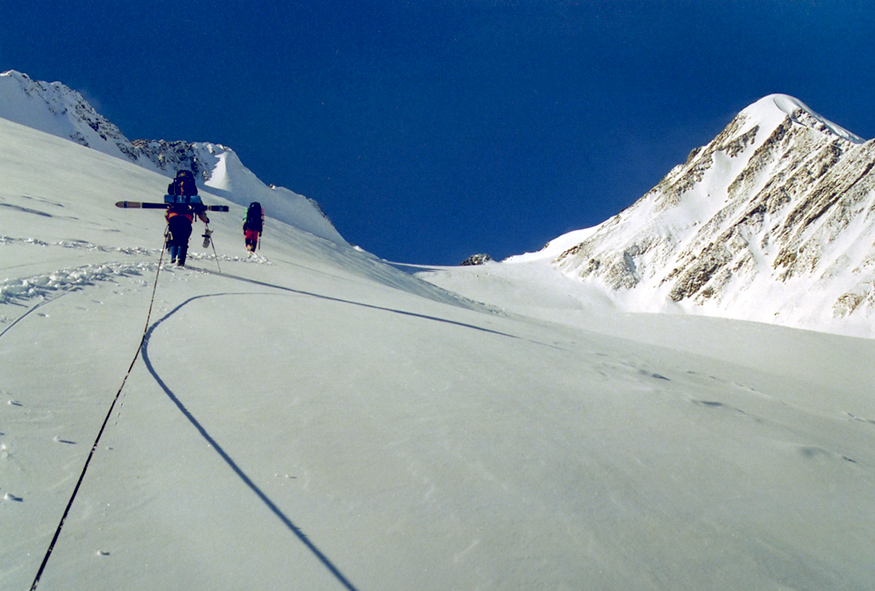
{"x": 429, "y": 130}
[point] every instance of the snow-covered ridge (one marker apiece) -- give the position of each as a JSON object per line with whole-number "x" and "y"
{"x": 56, "y": 109}
{"x": 59, "y": 110}
{"x": 789, "y": 106}
{"x": 773, "y": 221}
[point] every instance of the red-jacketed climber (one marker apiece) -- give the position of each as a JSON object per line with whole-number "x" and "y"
{"x": 253, "y": 225}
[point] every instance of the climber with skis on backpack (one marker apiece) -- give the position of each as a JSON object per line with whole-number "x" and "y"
{"x": 180, "y": 215}
{"x": 253, "y": 225}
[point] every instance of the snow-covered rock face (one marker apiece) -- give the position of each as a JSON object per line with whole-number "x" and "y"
{"x": 774, "y": 220}
{"x": 57, "y": 109}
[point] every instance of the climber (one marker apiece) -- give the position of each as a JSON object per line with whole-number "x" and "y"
{"x": 180, "y": 217}
{"x": 253, "y": 224}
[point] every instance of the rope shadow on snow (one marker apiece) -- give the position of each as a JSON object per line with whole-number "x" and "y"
{"x": 362, "y": 304}
{"x": 228, "y": 460}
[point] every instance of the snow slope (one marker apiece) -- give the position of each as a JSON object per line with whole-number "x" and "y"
{"x": 313, "y": 418}
{"x": 61, "y": 111}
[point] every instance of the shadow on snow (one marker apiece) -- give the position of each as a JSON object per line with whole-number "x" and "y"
{"x": 361, "y": 304}
{"x": 228, "y": 460}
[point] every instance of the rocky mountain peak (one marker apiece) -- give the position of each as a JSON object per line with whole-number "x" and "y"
{"x": 772, "y": 220}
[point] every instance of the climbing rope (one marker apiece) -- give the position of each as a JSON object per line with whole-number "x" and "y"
{"x": 102, "y": 427}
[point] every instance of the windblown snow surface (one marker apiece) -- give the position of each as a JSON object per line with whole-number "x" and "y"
{"x": 314, "y": 418}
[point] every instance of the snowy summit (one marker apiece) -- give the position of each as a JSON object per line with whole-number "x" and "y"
{"x": 772, "y": 221}
{"x": 312, "y": 417}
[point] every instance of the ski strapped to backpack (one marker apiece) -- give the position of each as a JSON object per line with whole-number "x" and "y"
{"x": 155, "y": 205}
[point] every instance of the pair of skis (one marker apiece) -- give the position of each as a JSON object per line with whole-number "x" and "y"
{"x": 155, "y": 205}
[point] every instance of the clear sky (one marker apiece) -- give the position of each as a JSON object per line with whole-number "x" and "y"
{"x": 429, "y": 130}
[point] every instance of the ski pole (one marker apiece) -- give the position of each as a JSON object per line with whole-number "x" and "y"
{"x": 215, "y": 254}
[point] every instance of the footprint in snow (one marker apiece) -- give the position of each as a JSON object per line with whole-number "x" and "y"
{"x": 717, "y": 404}
{"x": 653, "y": 375}
{"x": 815, "y": 453}
{"x": 860, "y": 419}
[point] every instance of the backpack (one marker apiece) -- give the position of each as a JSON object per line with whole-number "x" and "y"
{"x": 254, "y": 216}
{"x": 183, "y": 184}
{"x": 180, "y": 210}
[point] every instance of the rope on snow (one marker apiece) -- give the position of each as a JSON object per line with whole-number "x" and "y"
{"x": 102, "y": 428}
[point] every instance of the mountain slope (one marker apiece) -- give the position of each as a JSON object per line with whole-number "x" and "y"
{"x": 56, "y": 109}
{"x": 316, "y": 419}
{"x": 773, "y": 221}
